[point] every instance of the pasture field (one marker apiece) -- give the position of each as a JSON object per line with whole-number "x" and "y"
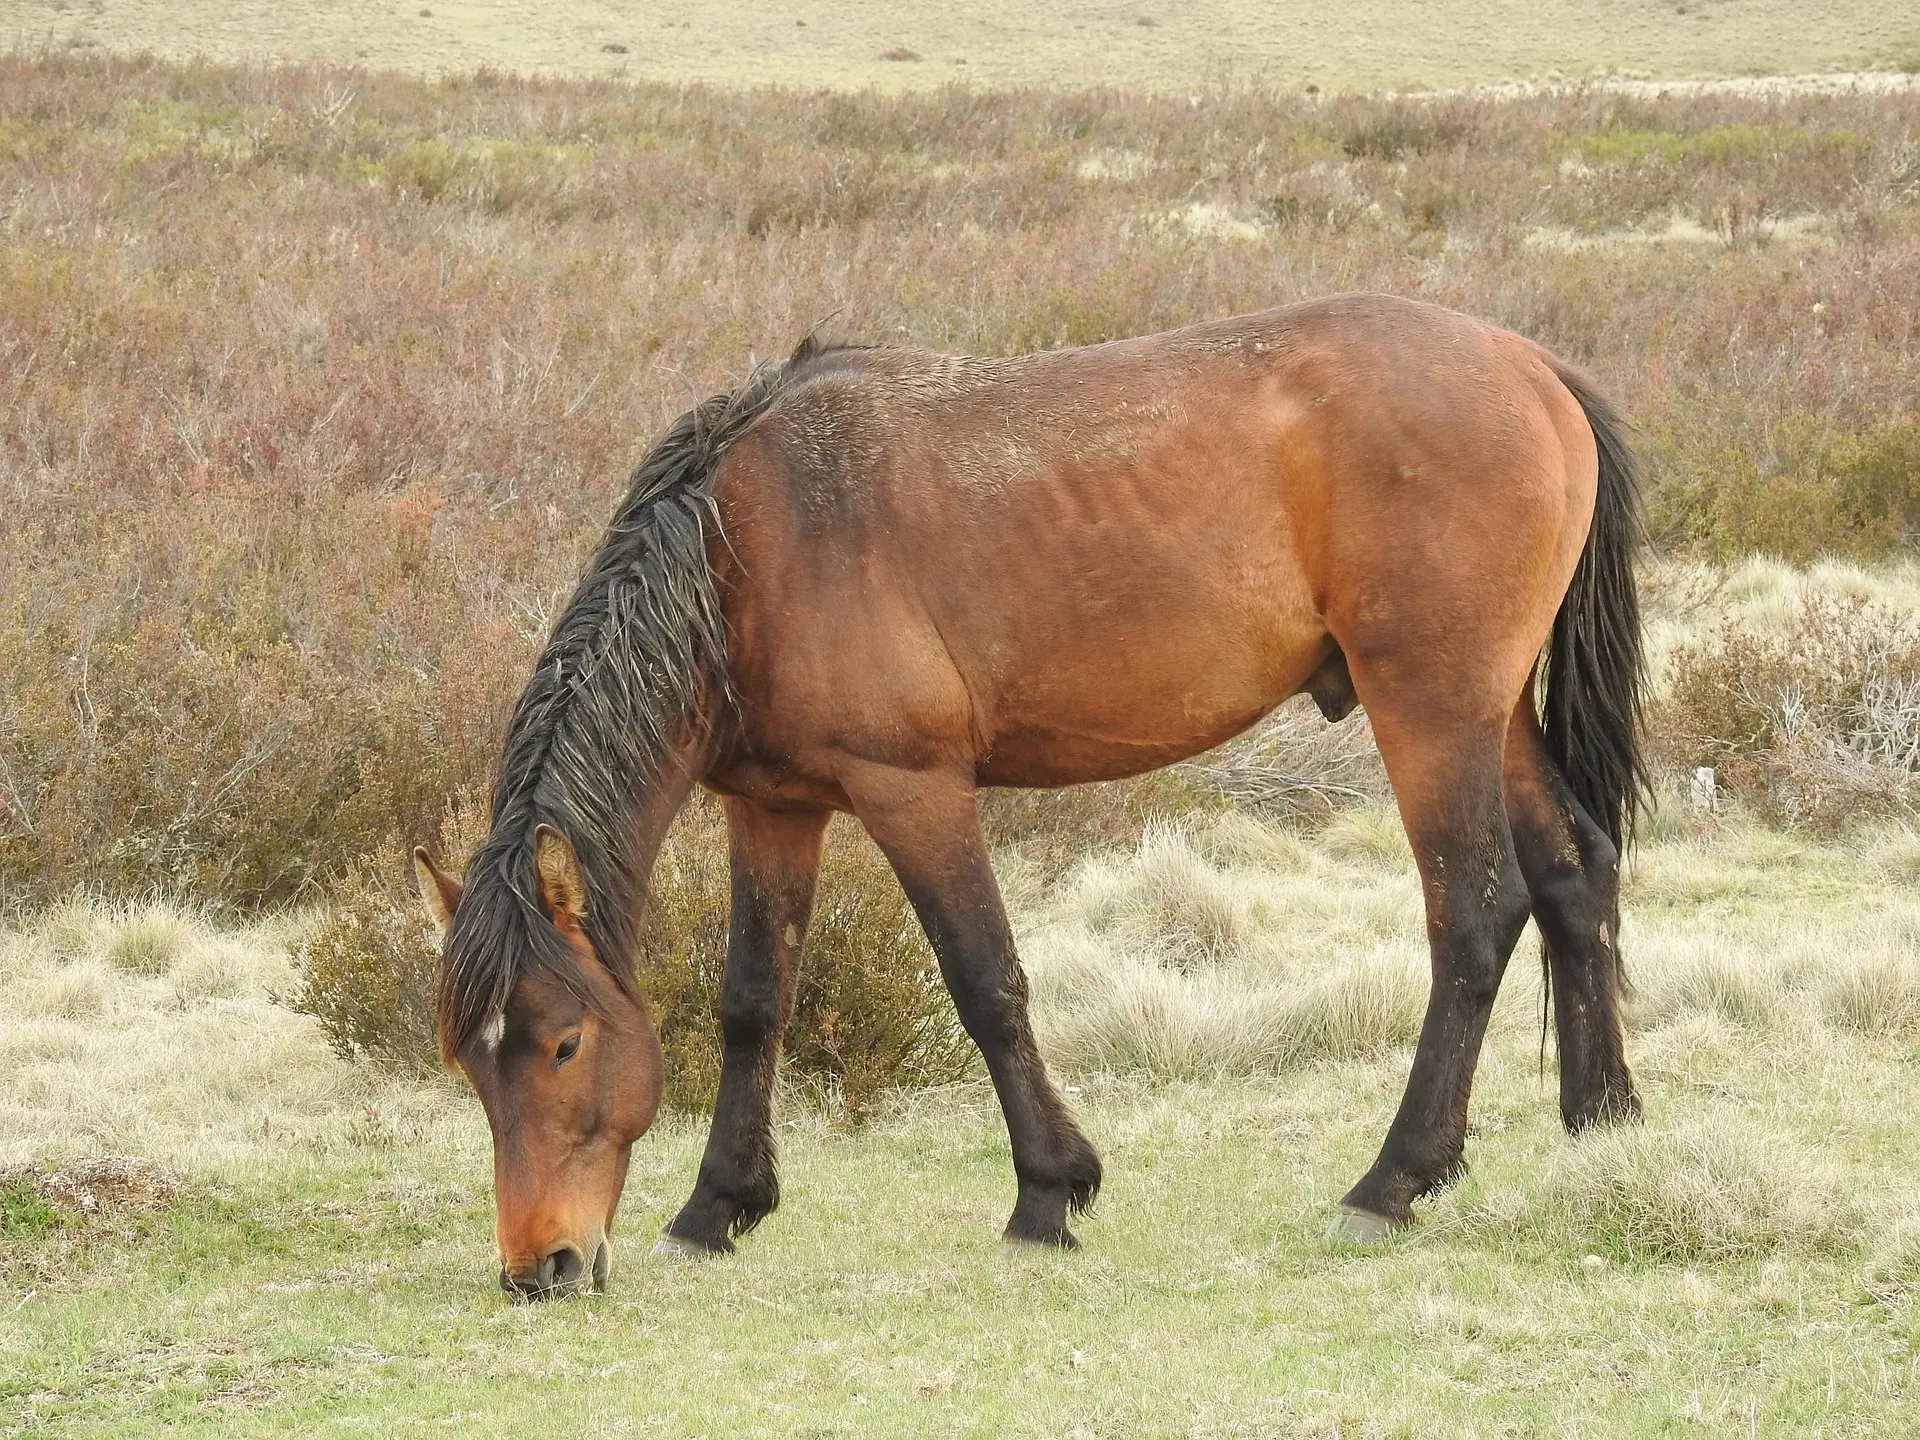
{"x": 315, "y": 386}
{"x": 1745, "y": 1262}
{"x": 842, "y": 44}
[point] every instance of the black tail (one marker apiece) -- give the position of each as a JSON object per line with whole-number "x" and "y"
{"x": 1595, "y": 677}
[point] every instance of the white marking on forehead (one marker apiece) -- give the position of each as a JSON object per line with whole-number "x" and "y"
{"x": 494, "y": 1031}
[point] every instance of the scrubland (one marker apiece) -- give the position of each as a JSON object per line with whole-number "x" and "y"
{"x": 318, "y": 385}
{"x": 315, "y": 387}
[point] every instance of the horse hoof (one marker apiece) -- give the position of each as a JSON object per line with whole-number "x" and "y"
{"x": 1359, "y": 1227}
{"x": 672, "y": 1247}
{"x": 1061, "y": 1239}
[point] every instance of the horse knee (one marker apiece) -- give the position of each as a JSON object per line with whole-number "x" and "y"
{"x": 992, "y": 1008}
{"x": 749, "y": 1016}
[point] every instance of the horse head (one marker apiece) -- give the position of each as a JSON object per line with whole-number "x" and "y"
{"x": 568, "y": 1080}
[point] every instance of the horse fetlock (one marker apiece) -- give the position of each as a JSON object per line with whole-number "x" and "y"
{"x": 1072, "y": 1169}
{"x": 710, "y": 1220}
{"x": 1613, "y": 1102}
{"x": 1390, "y": 1188}
{"x": 1040, "y": 1217}
{"x": 678, "y": 1247}
{"x": 1083, "y": 1175}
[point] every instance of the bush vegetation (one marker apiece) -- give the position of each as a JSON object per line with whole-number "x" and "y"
{"x": 318, "y": 384}
{"x": 869, "y": 1010}
{"x": 1815, "y": 721}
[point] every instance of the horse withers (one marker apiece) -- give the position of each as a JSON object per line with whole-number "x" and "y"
{"x": 876, "y": 580}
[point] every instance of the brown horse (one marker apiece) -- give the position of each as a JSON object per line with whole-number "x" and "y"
{"x": 874, "y": 580}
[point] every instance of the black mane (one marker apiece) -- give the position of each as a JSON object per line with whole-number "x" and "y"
{"x": 633, "y": 659}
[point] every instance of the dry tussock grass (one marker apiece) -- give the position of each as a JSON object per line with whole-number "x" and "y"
{"x": 187, "y": 1060}
{"x": 1892, "y": 1277}
{"x": 1232, "y": 947}
{"x": 1228, "y": 949}
{"x": 1710, "y": 1188}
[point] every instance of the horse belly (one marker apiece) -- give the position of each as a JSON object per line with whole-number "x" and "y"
{"x": 1102, "y": 707}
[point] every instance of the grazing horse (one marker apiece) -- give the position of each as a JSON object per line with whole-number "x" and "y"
{"x": 876, "y": 580}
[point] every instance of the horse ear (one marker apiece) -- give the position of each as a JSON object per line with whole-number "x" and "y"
{"x": 440, "y": 890}
{"x": 562, "y": 885}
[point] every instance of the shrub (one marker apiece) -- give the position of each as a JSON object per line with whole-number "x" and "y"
{"x": 1816, "y": 722}
{"x": 1295, "y": 765}
{"x": 368, "y": 974}
{"x": 1800, "y": 496}
{"x": 308, "y": 425}
{"x": 1397, "y": 132}
{"x": 870, "y": 1010}
{"x": 369, "y": 971}
{"x": 1877, "y": 477}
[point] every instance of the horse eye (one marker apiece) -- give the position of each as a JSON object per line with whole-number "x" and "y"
{"x": 569, "y": 1047}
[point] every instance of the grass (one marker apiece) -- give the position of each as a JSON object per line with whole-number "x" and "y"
{"x": 858, "y": 43}
{"x": 1738, "y": 1263}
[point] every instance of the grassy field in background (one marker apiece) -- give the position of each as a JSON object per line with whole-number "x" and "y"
{"x": 1747, "y": 1261}
{"x": 840, "y": 44}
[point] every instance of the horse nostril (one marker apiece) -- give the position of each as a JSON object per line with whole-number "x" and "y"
{"x": 562, "y": 1269}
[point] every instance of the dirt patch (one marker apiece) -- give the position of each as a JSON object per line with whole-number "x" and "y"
{"x": 112, "y": 1187}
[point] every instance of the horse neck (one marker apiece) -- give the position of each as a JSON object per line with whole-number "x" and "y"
{"x": 652, "y": 813}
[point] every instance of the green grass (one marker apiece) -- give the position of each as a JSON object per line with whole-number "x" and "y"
{"x": 1743, "y": 1263}
{"x": 356, "y": 1293}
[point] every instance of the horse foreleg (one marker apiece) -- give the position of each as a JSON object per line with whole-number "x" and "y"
{"x": 775, "y": 860}
{"x": 1448, "y": 783}
{"x": 929, "y": 827}
{"x": 1573, "y": 875}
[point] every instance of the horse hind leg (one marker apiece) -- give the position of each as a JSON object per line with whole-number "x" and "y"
{"x": 775, "y": 857}
{"x": 1573, "y": 876}
{"x": 1446, "y": 774}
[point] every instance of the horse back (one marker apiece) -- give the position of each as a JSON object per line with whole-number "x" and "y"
{"x": 1090, "y": 562}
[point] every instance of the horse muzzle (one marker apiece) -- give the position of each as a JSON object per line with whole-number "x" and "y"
{"x": 564, "y": 1270}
